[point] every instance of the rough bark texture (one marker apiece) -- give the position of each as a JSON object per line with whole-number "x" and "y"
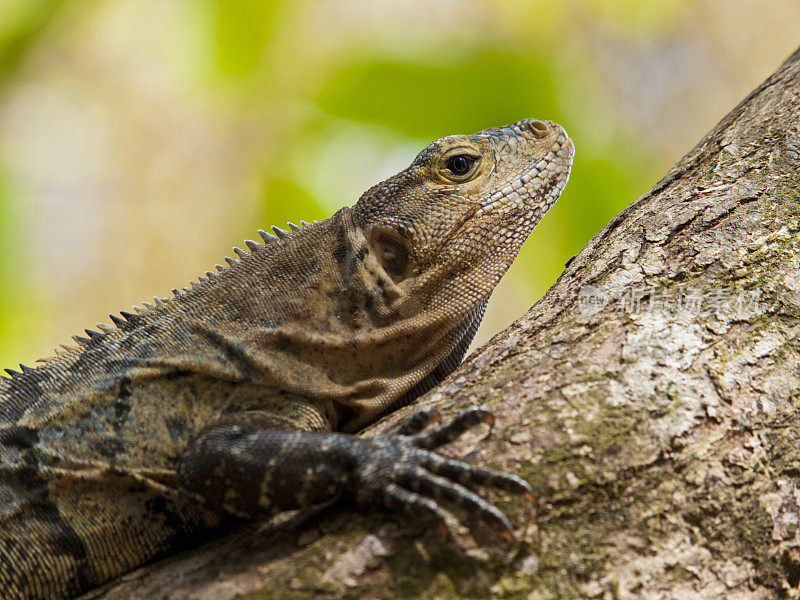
{"x": 650, "y": 398}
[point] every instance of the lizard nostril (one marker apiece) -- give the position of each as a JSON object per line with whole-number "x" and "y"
{"x": 538, "y": 128}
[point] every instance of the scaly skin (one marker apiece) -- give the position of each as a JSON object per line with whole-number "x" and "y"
{"x": 235, "y": 398}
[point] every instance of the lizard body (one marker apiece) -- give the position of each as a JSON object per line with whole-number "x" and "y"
{"x": 235, "y": 397}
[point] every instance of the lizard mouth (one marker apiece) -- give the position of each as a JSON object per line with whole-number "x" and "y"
{"x": 540, "y": 186}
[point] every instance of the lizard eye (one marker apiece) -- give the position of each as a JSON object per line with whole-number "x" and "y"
{"x": 459, "y": 167}
{"x": 392, "y": 255}
{"x": 460, "y": 164}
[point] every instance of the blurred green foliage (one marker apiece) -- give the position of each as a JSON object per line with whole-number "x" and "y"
{"x": 426, "y": 101}
{"x": 6, "y": 277}
{"x": 254, "y": 64}
{"x": 242, "y": 32}
{"x": 283, "y": 200}
{"x": 21, "y": 24}
{"x": 298, "y": 95}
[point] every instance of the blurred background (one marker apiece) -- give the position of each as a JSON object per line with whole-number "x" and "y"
{"x": 141, "y": 139}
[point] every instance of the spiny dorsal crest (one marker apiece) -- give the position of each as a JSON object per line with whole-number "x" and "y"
{"x": 127, "y": 320}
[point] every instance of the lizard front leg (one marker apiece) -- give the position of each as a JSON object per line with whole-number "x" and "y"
{"x": 246, "y": 470}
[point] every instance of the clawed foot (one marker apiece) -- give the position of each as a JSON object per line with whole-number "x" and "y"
{"x": 401, "y": 471}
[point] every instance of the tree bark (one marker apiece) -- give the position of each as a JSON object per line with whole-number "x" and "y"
{"x": 650, "y": 398}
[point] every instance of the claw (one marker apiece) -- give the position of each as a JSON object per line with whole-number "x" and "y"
{"x": 509, "y": 537}
{"x": 530, "y": 497}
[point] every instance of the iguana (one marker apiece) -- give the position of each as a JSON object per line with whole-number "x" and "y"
{"x": 238, "y": 396}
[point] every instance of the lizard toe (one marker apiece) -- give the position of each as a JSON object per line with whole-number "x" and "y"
{"x": 472, "y": 476}
{"x": 396, "y": 497}
{"x": 418, "y": 421}
{"x": 439, "y": 488}
{"x": 444, "y": 434}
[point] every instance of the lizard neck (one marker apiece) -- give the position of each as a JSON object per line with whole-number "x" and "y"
{"x": 354, "y": 336}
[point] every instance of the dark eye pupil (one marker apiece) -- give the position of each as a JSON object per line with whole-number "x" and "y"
{"x": 460, "y": 165}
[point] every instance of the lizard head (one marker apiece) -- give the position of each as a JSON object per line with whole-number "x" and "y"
{"x": 375, "y": 305}
{"x": 446, "y": 229}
